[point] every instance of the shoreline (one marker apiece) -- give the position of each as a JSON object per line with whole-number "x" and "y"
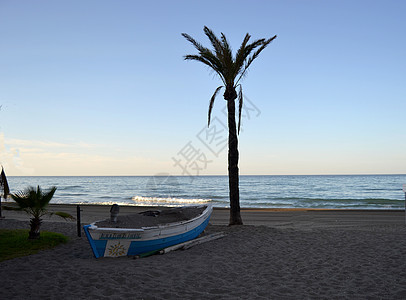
{"x": 263, "y": 209}
{"x": 271, "y": 217}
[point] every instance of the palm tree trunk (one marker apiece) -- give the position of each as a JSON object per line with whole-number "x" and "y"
{"x": 235, "y": 217}
{"x": 34, "y": 228}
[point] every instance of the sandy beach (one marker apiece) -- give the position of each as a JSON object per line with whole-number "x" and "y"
{"x": 277, "y": 254}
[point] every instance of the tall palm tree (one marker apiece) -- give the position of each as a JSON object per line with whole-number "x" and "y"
{"x": 35, "y": 202}
{"x": 231, "y": 69}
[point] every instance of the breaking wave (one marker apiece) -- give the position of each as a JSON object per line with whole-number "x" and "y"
{"x": 172, "y": 202}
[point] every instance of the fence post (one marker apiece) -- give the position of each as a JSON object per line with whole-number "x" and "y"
{"x": 404, "y": 191}
{"x": 78, "y": 220}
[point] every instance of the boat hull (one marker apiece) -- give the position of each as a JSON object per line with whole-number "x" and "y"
{"x": 115, "y": 242}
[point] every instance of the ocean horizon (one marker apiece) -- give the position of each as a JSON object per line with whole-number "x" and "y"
{"x": 256, "y": 191}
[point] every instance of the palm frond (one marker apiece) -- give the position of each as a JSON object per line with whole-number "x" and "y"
{"x": 207, "y": 57}
{"x": 46, "y": 197}
{"x": 34, "y": 201}
{"x": 228, "y": 55}
{"x": 223, "y": 55}
{"x": 212, "y": 103}
{"x": 262, "y": 43}
{"x": 209, "y": 61}
{"x": 204, "y": 52}
{"x": 197, "y": 45}
{"x": 199, "y": 58}
{"x": 243, "y": 58}
{"x": 228, "y": 60}
{"x": 240, "y": 104}
{"x": 240, "y": 55}
{"x": 210, "y": 56}
{"x": 214, "y": 41}
{"x": 21, "y": 199}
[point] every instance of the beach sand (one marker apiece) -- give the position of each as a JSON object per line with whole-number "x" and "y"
{"x": 278, "y": 254}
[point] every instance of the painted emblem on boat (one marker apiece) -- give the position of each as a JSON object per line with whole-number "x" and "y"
{"x": 116, "y": 248}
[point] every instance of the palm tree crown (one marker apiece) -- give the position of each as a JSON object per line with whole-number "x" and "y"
{"x": 231, "y": 69}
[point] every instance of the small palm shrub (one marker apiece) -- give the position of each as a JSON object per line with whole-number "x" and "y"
{"x": 34, "y": 201}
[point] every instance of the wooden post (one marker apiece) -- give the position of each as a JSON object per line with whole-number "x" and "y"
{"x": 78, "y": 220}
{"x": 114, "y": 210}
{"x": 404, "y": 191}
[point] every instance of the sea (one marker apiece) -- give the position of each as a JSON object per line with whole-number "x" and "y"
{"x": 301, "y": 191}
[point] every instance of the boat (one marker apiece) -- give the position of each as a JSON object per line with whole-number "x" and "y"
{"x": 158, "y": 230}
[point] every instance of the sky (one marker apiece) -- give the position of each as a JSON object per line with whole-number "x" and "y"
{"x": 101, "y": 88}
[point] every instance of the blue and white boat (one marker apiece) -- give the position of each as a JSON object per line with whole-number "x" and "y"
{"x": 115, "y": 242}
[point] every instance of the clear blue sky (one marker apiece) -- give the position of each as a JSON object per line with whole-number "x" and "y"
{"x": 101, "y": 87}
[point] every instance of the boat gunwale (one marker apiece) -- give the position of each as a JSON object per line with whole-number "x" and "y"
{"x": 207, "y": 211}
